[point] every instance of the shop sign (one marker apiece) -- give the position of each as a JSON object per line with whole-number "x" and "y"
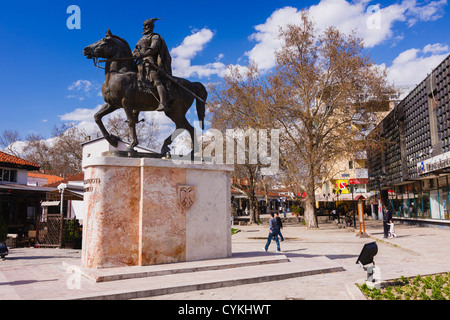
{"x": 436, "y": 163}
{"x": 358, "y": 181}
{"x": 342, "y": 185}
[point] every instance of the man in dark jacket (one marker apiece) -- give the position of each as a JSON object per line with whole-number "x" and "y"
{"x": 273, "y": 234}
{"x": 279, "y": 225}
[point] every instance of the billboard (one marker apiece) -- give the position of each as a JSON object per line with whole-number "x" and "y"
{"x": 342, "y": 185}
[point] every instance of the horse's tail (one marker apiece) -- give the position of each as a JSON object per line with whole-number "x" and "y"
{"x": 200, "y": 90}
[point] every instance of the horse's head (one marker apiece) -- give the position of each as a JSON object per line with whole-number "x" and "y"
{"x": 109, "y": 47}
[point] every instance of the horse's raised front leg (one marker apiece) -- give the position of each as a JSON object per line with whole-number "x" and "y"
{"x": 104, "y": 110}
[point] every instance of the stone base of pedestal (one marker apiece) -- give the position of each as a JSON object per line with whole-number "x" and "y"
{"x": 143, "y": 211}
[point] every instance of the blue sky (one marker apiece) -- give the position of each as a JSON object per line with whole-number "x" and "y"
{"x": 46, "y": 80}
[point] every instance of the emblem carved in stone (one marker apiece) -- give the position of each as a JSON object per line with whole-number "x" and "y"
{"x": 186, "y": 196}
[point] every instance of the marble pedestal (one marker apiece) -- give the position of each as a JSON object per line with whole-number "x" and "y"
{"x": 143, "y": 211}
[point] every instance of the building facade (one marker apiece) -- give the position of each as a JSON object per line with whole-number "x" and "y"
{"x": 20, "y": 203}
{"x": 350, "y": 175}
{"x": 411, "y": 173}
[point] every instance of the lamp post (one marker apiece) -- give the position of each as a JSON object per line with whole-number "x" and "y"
{"x": 61, "y": 189}
{"x": 380, "y": 204}
{"x": 326, "y": 204}
{"x": 353, "y": 207}
{"x": 337, "y": 193}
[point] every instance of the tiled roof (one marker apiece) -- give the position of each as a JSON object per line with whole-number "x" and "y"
{"x": 50, "y": 178}
{"x": 7, "y": 159}
{"x": 74, "y": 177}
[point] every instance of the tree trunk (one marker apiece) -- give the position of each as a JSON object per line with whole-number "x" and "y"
{"x": 253, "y": 207}
{"x": 310, "y": 215}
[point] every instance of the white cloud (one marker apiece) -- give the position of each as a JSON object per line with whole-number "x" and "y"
{"x": 81, "y": 85}
{"x": 80, "y": 114}
{"x": 435, "y": 48}
{"x": 413, "y": 65}
{"x": 188, "y": 50}
{"x": 427, "y": 12}
{"x": 82, "y": 89}
{"x": 266, "y": 36}
{"x": 374, "y": 24}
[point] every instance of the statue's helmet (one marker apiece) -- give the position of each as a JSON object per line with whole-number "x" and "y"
{"x": 150, "y": 24}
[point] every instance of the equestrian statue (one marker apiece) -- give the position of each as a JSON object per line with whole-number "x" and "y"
{"x": 141, "y": 80}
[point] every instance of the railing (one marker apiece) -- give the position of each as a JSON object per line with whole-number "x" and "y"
{"x": 49, "y": 230}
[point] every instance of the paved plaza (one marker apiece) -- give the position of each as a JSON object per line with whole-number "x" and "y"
{"x": 316, "y": 264}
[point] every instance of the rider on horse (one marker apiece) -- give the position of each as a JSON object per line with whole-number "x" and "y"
{"x": 152, "y": 50}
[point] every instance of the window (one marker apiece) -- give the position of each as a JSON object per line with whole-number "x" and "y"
{"x": 350, "y": 164}
{"x": 8, "y": 175}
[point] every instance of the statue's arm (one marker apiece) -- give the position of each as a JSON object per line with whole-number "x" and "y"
{"x": 152, "y": 48}
{"x": 137, "y": 51}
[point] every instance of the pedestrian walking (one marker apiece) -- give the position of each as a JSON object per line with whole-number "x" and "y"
{"x": 279, "y": 226}
{"x": 387, "y": 218}
{"x": 273, "y": 234}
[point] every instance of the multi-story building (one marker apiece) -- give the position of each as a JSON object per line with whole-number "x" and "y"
{"x": 350, "y": 176}
{"x": 412, "y": 171}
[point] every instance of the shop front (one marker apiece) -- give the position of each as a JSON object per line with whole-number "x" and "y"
{"x": 424, "y": 199}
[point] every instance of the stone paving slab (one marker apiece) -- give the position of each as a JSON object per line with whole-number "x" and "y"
{"x": 242, "y": 259}
{"x": 31, "y": 275}
{"x": 203, "y": 280}
{"x": 42, "y": 273}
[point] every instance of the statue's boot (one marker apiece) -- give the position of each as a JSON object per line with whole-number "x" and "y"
{"x": 162, "y": 99}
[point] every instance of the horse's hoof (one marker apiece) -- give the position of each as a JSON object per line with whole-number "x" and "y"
{"x": 113, "y": 140}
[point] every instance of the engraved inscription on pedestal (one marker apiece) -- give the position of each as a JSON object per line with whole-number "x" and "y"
{"x": 88, "y": 184}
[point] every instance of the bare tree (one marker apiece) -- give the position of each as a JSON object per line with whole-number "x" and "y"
{"x": 7, "y": 140}
{"x": 66, "y": 150}
{"x": 146, "y": 129}
{"x": 37, "y": 150}
{"x": 235, "y": 105}
{"x": 61, "y": 154}
{"x": 320, "y": 82}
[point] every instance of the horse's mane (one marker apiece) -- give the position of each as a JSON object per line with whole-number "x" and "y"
{"x": 131, "y": 64}
{"x": 125, "y": 43}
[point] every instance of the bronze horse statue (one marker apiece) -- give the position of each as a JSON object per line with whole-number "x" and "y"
{"x": 120, "y": 90}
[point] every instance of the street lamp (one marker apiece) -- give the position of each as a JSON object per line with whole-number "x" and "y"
{"x": 61, "y": 189}
{"x": 326, "y": 204}
{"x": 353, "y": 207}
{"x": 381, "y": 177}
{"x": 337, "y": 193}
